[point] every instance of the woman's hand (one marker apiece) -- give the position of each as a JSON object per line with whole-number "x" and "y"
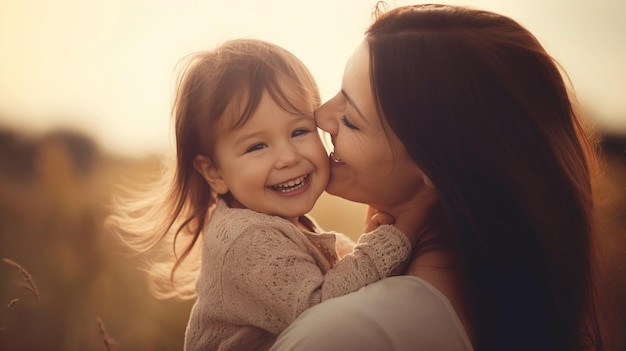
{"x": 374, "y": 219}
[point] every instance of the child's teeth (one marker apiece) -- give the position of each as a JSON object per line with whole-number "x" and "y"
{"x": 290, "y": 184}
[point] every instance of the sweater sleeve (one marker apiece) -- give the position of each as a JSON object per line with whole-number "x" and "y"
{"x": 269, "y": 279}
{"x": 378, "y": 254}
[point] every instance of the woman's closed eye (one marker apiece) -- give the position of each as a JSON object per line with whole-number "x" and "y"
{"x": 347, "y": 123}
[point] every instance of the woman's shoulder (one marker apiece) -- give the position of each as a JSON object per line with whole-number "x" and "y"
{"x": 397, "y": 313}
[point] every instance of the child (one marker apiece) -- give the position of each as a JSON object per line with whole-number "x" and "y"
{"x": 250, "y": 165}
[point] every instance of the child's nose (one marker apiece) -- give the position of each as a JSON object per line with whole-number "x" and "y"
{"x": 287, "y": 156}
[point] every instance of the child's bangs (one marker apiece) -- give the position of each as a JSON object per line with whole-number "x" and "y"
{"x": 241, "y": 107}
{"x": 288, "y": 94}
{"x": 292, "y": 96}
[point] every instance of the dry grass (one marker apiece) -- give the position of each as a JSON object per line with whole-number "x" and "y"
{"x": 28, "y": 282}
{"x": 13, "y": 302}
{"x": 109, "y": 343}
{"x": 51, "y": 211}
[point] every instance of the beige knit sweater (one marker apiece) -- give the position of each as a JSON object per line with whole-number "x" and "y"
{"x": 259, "y": 272}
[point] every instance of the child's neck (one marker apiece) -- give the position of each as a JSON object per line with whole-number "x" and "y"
{"x": 299, "y": 221}
{"x": 301, "y": 224}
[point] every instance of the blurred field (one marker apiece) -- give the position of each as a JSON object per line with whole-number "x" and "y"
{"x": 55, "y": 190}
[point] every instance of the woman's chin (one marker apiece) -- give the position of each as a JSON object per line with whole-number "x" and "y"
{"x": 335, "y": 189}
{"x": 344, "y": 190}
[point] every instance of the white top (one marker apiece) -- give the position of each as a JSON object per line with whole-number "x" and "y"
{"x": 397, "y": 313}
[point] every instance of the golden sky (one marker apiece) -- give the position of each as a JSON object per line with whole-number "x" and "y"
{"x": 107, "y": 67}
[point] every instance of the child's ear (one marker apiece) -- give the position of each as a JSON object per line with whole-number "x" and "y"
{"x": 211, "y": 174}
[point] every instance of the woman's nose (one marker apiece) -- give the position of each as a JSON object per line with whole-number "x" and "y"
{"x": 324, "y": 120}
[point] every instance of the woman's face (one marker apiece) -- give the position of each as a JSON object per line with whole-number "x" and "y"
{"x": 368, "y": 165}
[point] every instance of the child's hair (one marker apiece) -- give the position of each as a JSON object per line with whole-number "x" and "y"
{"x": 228, "y": 81}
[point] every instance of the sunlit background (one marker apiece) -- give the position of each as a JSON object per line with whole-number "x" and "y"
{"x": 108, "y": 67}
{"x": 85, "y": 97}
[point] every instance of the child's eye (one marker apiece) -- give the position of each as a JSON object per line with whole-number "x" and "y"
{"x": 347, "y": 123}
{"x": 299, "y": 132}
{"x": 256, "y": 147}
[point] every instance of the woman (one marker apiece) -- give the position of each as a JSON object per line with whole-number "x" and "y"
{"x": 466, "y": 107}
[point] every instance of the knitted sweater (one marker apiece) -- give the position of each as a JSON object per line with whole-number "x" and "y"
{"x": 259, "y": 272}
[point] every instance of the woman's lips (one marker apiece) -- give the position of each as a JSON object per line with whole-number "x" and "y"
{"x": 335, "y": 160}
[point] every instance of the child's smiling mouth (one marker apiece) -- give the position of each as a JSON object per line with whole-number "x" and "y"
{"x": 291, "y": 185}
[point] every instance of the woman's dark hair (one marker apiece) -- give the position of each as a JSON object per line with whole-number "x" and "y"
{"x": 484, "y": 111}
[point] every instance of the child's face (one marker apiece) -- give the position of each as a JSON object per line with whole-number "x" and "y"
{"x": 275, "y": 163}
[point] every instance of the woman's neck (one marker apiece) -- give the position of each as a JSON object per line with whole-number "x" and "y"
{"x": 439, "y": 267}
{"x": 432, "y": 262}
